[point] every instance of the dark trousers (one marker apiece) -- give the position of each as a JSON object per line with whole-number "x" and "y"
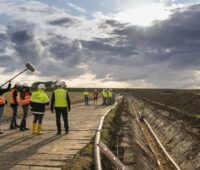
{"x": 25, "y": 109}
{"x": 13, "y": 122}
{"x": 104, "y": 100}
{"x": 38, "y": 118}
{"x": 86, "y": 100}
{"x": 62, "y": 111}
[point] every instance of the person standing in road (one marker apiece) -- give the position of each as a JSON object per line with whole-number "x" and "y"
{"x": 104, "y": 96}
{"x": 24, "y": 101}
{"x": 95, "y": 96}
{"x": 86, "y": 94}
{"x": 60, "y": 101}
{"x": 38, "y": 101}
{"x": 14, "y": 99}
{"x": 3, "y": 102}
{"x": 110, "y": 97}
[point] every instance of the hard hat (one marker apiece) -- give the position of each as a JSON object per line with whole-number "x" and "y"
{"x": 25, "y": 85}
{"x": 63, "y": 84}
{"x": 59, "y": 83}
{"x": 41, "y": 86}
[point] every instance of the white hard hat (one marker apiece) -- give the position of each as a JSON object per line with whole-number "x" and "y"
{"x": 59, "y": 83}
{"x": 41, "y": 86}
{"x": 63, "y": 84}
{"x": 25, "y": 85}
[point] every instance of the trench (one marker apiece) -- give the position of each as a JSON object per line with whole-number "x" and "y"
{"x": 180, "y": 138}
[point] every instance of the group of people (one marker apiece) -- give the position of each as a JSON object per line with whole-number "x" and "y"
{"x": 107, "y": 95}
{"x": 20, "y": 95}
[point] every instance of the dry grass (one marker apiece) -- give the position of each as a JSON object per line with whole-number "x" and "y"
{"x": 75, "y": 97}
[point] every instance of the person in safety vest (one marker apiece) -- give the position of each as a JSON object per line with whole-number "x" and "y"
{"x": 95, "y": 96}
{"x": 104, "y": 95}
{"x": 38, "y": 101}
{"x": 110, "y": 96}
{"x": 86, "y": 94}
{"x": 60, "y": 101}
{"x": 14, "y": 105}
{"x": 24, "y": 101}
{"x": 3, "y": 102}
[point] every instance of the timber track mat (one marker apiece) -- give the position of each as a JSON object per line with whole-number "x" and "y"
{"x": 24, "y": 151}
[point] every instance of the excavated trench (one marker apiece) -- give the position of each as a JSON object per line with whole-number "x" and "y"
{"x": 180, "y": 138}
{"x": 133, "y": 150}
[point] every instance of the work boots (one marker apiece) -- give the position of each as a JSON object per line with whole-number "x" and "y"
{"x": 23, "y": 126}
{"x": 34, "y": 128}
{"x": 38, "y": 131}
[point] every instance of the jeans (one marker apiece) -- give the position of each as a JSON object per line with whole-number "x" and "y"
{"x": 64, "y": 112}
{"x": 13, "y": 122}
{"x": 1, "y": 113}
{"x": 25, "y": 113}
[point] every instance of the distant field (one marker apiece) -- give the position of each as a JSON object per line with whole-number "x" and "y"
{"x": 186, "y": 102}
{"x": 75, "y": 97}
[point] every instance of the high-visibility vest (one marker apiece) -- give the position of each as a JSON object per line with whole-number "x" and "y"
{"x": 12, "y": 101}
{"x": 39, "y": 97}
{"x": 104, "y": 93}
{"x": 2, "y": 100}
{"x": 26, "y": 100}
{"x": 109, "y": 94}
{"x": 85, "y": 93}
{"x": 60, "y": 97}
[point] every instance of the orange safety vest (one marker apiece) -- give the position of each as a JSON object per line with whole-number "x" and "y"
{"x": 2, "y": 100}
{"x": 26, "y": 100}
{"x": 11, "y": 97}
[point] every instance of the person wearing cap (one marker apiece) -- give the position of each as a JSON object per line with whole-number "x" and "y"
{"x": 24, "y": 101}
{"x": 14, "y": 102}
{"x": 60, "y": 101}
{"x": 39, "y": 100}
{"x": 86, "y": 94}
{"x": 3, "y": 102}
{"x": 95, "y": 96}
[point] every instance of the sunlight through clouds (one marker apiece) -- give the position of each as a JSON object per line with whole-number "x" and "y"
{"x": 143, "y": 15}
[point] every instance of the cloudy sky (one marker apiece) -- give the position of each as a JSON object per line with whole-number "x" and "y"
{"x": 102, "y": 43}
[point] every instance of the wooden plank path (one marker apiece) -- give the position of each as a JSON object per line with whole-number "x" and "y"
{"x": 24, "y": 151}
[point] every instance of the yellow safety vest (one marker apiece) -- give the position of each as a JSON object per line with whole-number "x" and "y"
{"x": 39, "y": 97}
{"x": 104, "y": 93}
{"x": 109, "y": 94}
{"x": 85, "y": 93}
{"x": 60, "y": 97}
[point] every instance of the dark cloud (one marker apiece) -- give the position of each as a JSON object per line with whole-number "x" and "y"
{"x": 20, "y": 36}
{"x": 62, "y": 22}
{"x": 165, "y": 54}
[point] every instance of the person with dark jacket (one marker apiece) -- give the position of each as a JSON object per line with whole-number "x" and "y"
{"x": 24, "y": 101}
{"x": 60, "y": 101}
{"x": 3, "y": 102}
{"x": 38, "y": 101}
{"x": 14, "y": 105}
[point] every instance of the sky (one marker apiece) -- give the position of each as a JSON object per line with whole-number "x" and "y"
{"x": 102, "y": 43}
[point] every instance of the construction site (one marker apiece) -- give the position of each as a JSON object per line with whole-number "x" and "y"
{"x": 99, "y": 85}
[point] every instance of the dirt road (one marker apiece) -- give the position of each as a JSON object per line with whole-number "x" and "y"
{"x": 21, "y": 150}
